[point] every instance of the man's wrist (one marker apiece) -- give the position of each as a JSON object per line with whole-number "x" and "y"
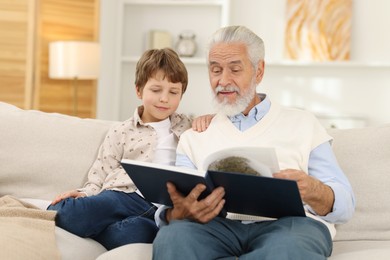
{"x": 168, "y": 215}
{"x": 165, "y": 215}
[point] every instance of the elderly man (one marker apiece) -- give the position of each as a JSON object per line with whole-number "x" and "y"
{"x": 192, "y": 229}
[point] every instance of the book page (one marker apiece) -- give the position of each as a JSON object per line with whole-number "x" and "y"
{"x": 263, "y": 160}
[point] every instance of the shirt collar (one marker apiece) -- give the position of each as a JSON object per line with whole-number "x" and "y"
{"x": 257, "y": 112}
{"x": 174, "y": 118}
{"x": 137, "y": 116}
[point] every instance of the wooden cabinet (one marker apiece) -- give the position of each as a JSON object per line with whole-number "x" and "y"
{"x": 26, "y": 29}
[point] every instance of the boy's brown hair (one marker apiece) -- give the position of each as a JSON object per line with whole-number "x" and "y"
{"x": 165, "y": 60}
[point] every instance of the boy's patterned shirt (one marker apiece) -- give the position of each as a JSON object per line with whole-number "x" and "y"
{"x": 131, "y": 139}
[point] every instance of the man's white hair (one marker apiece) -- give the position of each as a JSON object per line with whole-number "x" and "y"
{"x": 240, "y": 34}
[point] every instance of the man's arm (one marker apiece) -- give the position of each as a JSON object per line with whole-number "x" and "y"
{"x": 313, "y": 192}
{"x": 183, "y": 161}
{"x": 190, "y": 207}
{"x": 163, "y": 213}
{"x": 323, "y": 166}
{"x": 326, "y": 190}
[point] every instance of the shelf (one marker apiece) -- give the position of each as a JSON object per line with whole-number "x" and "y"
{"x": 289, "y": 64}
{"x": 186, "y": 60}
{"x": 138, "y": 18}
{"x": 329, "y": 64}
{"x": 175, "y": 2}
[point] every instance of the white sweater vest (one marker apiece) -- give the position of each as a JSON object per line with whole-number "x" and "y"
{"x": 293, "y": 133}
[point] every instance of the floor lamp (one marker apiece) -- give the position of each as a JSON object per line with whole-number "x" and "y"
{"x": 75, "y": 60}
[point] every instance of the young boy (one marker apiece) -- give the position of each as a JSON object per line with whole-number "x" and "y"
{"x": 108, "y": 208}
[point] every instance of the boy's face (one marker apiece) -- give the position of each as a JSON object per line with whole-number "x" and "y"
{"x": 160, "y": 98}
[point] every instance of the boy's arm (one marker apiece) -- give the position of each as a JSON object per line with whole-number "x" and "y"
{"x": 107, "y": 161}
{"x": 201, "y": 123}
{"x": 68, "y": 194}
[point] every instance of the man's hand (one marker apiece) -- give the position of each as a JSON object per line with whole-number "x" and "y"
{"x": 68, "y": 194}
{"x": 317, "y": 195}
{"x": 201, "y": 123}
{"x": 190, "y": 208}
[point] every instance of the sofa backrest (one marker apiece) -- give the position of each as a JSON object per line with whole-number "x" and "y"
{"x": 43, "y": 154}
{"x": 364, "y": 156}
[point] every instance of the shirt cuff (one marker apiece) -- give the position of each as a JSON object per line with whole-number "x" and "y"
{"x": 343, "y": 207}
{"x": 159, "y": 216}
{"x": 83, "y": 191}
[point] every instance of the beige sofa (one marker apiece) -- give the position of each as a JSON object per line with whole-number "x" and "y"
{"x": 42, "y": 154}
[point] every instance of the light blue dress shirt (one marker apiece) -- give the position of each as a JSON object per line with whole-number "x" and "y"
{"x": 322, "y": 166}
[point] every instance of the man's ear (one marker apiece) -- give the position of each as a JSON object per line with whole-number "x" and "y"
{"x": 260, "y": 71}
{"x": 139, "y": 92}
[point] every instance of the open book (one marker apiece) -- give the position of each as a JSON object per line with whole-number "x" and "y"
{"x": 245, "y": 173}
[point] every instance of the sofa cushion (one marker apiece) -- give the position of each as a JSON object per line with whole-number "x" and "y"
{"x": 73, "y": 247}
{"x": 43, "y": 154}
{"x": 133, "y": 251}
{"x": 364, "y": 156}
{"x": 361, "y": 250}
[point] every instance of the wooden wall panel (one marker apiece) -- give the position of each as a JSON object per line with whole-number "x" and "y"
{"x": 16, "y": 44}
{"x": 26, "y": 29}
{"x": 64, "y": 20}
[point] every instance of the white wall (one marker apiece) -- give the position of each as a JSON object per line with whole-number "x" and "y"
{"x": 356, "y": 90}
{"x": 370, "y": 26}
{"x": 106, "y": 102}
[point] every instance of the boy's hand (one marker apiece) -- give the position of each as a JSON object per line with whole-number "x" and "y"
{"x": 68, "y": 194}
{"x": 201, "y": 123}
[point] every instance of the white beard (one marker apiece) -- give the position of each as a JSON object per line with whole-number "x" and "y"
{"x": 242, "y": 102}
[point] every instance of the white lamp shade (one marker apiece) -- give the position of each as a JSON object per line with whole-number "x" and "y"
{"x": 74, "y": 59}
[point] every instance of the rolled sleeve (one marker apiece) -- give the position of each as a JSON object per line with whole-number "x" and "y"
{"x": 323, "y": 166}
{"x": 343, "y": 207}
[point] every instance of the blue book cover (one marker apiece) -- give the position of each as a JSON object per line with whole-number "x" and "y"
{"x": 249, "y": 186}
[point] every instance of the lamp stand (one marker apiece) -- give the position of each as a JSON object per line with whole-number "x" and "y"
{"x": 75, "y": 96}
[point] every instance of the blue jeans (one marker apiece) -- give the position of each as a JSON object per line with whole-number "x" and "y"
{"x": 112, "y": 218}
{"x": 297, "y": 238}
